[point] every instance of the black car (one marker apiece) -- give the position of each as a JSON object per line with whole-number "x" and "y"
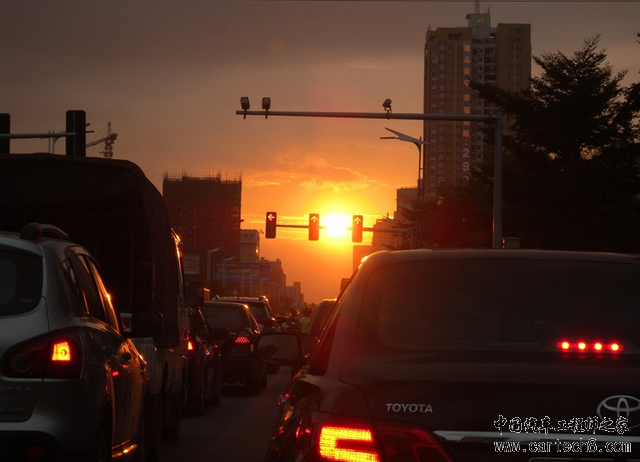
{"x": 320, "y": 315}
{"x": 204, "y": 364}
{"x": 261, "y": 310}
{"x": 470, "y": 355}
{"x": 239, "y": 364}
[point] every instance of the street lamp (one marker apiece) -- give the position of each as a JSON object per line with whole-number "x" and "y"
{"x": 494, "y": 118}
{"x": 418, "y": 142}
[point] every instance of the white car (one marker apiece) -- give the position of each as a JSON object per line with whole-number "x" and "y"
{"x": 72, "y": 386}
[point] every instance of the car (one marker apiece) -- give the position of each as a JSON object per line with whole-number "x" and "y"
{"x": 204, "y": 364}
{"x": 260, "y": 308}
{"x": 314, "y": 329}
{"x": 320, "y": 315}
{"x": 468, "y": 355}
{"x": 72, "y": 385}
{"x": 239, "y": 364}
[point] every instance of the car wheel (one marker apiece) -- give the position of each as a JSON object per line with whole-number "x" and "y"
{"x": 173, "y": 408}
{"x": 102, "y": 445}
{"x": 153, "y": 425}
{"x": 198, "y": 398}
{"x": 141, "y": 451}
{"x": 216, "y": 389}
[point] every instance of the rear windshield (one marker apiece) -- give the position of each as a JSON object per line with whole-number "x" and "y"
{"x": 230, "y": 317}
{"x": 511, "y": 305}
{"x": 258, "y": 309}
{"x": 20, "y": 282}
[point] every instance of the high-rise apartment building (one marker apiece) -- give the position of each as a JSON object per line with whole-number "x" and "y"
{"x": 455, "y": 56}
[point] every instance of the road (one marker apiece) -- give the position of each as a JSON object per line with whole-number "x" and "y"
{"x": 237, "y": 430}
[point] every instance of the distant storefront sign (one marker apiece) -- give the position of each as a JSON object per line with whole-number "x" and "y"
{"x": 242, "y": 272}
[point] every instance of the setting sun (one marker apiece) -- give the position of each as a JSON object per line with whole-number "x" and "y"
{"x": 335, "y": 225}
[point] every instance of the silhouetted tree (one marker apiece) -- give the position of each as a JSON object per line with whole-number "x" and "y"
{"x": 571, "y": 168}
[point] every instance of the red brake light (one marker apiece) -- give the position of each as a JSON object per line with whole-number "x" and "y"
{"x": 347, "y": 444}
{"x": 61, "y": 351}
{"x": 355, "y": 440}
{"x": 189, "y": 345}
{"x": 59, "y": 356}
{"x": 242, "y": 340}
{"x": 589, "y": 347}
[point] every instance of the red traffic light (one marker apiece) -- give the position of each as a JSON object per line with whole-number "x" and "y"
{"x": 271, "y": 224}
{"x": 314, "y": 226}
{"x": 356, "y": 228}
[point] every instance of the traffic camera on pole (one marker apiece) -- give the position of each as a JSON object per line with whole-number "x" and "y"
{"x": 314, "y": 226}
{"x": 271, "y": 224}
{"x": 356, "y": 228}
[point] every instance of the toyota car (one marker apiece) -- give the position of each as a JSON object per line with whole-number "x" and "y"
{"x": 469, "y": 355}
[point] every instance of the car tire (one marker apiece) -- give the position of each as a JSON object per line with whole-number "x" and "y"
{"x": 153, "y": 426}
{"x": 141, "y": 451}
{"x": 198, "y": 398}
{"x": 102, "y": 451}
{"x": 171, "y": 428}
{"x": 216, "y": 389}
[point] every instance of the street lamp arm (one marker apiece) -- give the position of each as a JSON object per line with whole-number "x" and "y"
{"x": 403, "y": 137}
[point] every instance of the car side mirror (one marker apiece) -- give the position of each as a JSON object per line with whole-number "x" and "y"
{"x": 284, "y": 349}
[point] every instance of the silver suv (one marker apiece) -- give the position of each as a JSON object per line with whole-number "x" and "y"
{"x": 72, "y": 386}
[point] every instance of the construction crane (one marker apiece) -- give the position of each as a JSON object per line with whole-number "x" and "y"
{"x": 108, "y": 142}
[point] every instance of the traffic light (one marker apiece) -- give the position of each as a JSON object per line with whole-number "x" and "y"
{"x": 314, "y": 226}
{"x": 270, "y": 231}
{"x": 76, "y": 123}
{"x": 356, "y": 228}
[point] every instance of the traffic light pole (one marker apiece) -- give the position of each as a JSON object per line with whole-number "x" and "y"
{"x": 495, "y": 118}
{"x": 75, "y": 134}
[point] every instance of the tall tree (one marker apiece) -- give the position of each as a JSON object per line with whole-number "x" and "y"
{"x": 571, "y": 177}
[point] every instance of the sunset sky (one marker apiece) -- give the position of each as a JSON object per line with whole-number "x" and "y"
{"x": 169, "y": 75}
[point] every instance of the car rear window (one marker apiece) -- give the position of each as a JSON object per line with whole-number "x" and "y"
{"x": 223, "y": 316}
{"x": 511, "y": 305}
{"x": 257, "y": 309}
{"x": 20, "y": 282}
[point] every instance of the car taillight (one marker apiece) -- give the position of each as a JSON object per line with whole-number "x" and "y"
{"x": 582, "y": 346}
{"x": 242, "y": 340}
{"x": 58, "y": 357}
{"x": 343, "y": 443}
{"x": 348, "y": 440}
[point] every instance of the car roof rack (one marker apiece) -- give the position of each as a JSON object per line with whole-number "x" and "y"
{"x": 33, "y": 231}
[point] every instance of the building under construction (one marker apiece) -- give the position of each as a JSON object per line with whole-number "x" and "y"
{"x": 205, "y": 212}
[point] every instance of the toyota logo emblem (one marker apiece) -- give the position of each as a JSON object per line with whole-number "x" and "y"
{"x": 620, "y": 406}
